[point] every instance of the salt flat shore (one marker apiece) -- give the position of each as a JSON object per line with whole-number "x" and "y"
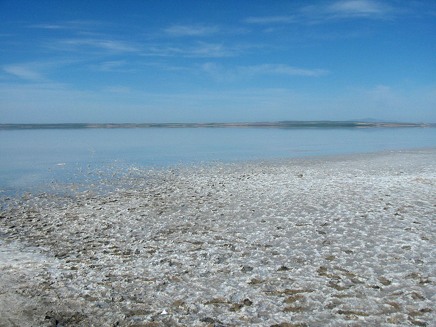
{"x": 343, "y": 241}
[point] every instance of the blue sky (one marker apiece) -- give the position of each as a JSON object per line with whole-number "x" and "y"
{"x": 203, "y": 61}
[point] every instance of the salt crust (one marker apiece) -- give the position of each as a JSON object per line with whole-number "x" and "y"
{"x": 345, "y": 241}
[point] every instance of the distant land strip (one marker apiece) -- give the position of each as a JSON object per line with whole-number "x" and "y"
{"x": 279, "y": 124}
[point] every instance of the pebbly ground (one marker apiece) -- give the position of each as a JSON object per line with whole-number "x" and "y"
{"x": 345, "y": 241}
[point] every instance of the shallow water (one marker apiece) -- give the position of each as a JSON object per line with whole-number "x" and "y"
{"x": 36, "y": 158}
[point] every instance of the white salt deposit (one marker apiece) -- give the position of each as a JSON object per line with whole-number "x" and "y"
{"x": 344, "y": 241}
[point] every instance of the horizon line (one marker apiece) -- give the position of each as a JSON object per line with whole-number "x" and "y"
{"x": 271, "y": 124}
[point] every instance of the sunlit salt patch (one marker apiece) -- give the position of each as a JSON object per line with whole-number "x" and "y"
{"x": 13, "y": 256}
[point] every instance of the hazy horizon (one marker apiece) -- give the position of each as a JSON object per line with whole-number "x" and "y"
{"x": 121, "y": 122}
{"x": 217, "y": 61}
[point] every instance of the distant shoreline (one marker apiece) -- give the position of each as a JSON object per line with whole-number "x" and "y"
{"x": 279, "y": 124}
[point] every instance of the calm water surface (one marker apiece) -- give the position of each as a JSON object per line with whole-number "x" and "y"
{"x": 32, "y": 158}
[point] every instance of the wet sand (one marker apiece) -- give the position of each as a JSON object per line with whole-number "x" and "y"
{"x": 339, "y": 241}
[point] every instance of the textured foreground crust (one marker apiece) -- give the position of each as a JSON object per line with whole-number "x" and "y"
{"x": 344, "y": 241}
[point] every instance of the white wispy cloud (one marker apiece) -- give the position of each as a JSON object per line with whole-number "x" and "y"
{"x": 37, "y": 71}
{"x": 76, "y": 25}
{"x": 49, "y": 26}
{"x": 346, "y": 9}
{"x": 242, "y": 72}
{"x": 267, "y": 20}
{"x": 191, "y": 30}
{"x": 98, "y": 43}
{"x": 281, "y": 69}
{"x": 23, "y": 71}
{"x": 358, "y": 8}
{"x": 319, "y": 13}
{"x": 197, "y": 50}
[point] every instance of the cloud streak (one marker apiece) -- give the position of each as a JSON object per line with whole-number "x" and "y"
{"x": 104, "y": 44}
{"x": 197, "y": 50}
{"x": 357, "y": 8}
{"x": 190, "y": 30}
{"x": 159, "y": 49}
{"x": 268, "y": 20}
{"x": 280, "y": 69}
{"x": 74, "y": 25}
{"x": 243, "y": 72}
{"x": 323, "y": 13}
{"x": 23, "y": 71}
{"x": 346, "y": 9}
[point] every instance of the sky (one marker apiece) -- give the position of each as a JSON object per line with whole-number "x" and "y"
{"x": 134, "y": 61}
